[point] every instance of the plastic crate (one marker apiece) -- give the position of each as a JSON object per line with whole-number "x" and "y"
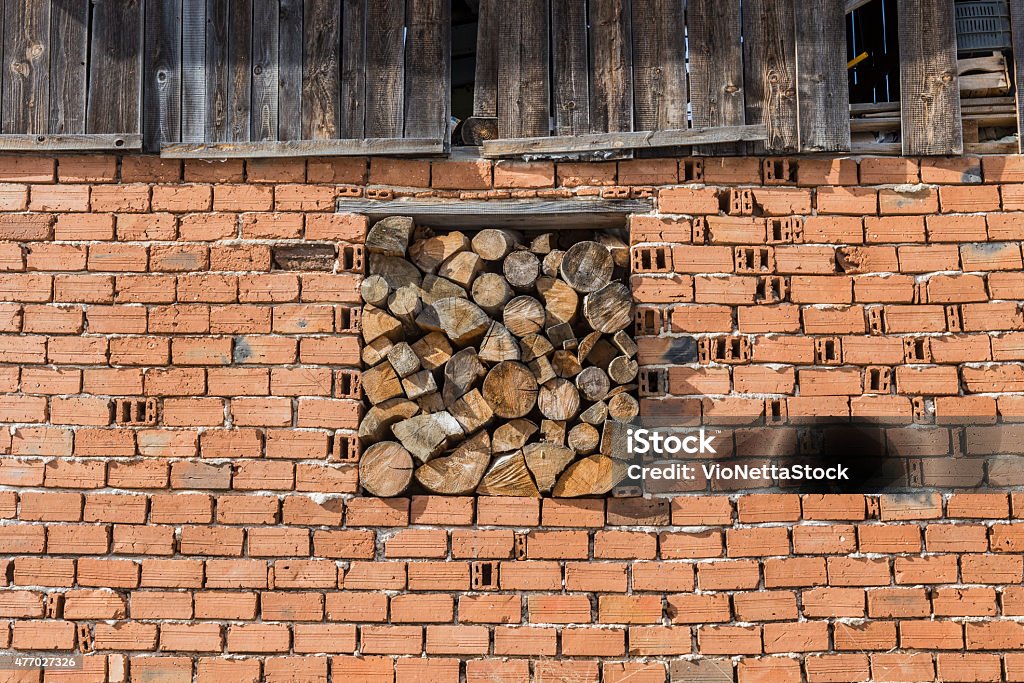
{"x": 982, "y": 25}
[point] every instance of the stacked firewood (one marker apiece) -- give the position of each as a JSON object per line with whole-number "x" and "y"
{"x": 495, "y": 363}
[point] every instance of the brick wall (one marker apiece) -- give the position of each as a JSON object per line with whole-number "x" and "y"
{"x": 174, "y": 484}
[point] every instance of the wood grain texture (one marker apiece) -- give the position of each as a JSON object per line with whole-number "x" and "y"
{"x": 428, "y": 69}
{"x": 659, "y": 65}
{"x": 716, "y": 63}
{"x": 299, "y": 148}
{"x": 823, "y": 92}
{"x": 162, "y": 85}
{"x": 523, "y": 71}
{"x": 1017, "y": 38}
{"x": 929, "y": 90}
{"x": 69, "y": 55}
{"x": 385, "y": 69}
{"x": 571, "y": 71}
{"x": 611, "y": 67}
{"x": 240, "y": 26}
{"x": 289, "y": 91}
{"x": 115, "y": 67}
{"x": 485, "y": 82}
{"x": 193, "y": 71}
{"x": 564, "y": 144}
{"x": 92, "y": 142}
{"x": 26, "y": 58}
{"x": 769, "y": 71}
{"x": 265, "y": 46}
{"x": 217, "y": 78}
{"x": 353, "y": 69}
{"x": 321, "y": 69}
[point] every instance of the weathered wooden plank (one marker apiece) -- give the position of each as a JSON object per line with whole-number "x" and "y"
{"x": 485, "y": 81}
{"x": 1017, "y": 38}
{"x": 93, "y": 142}
{"x": 300, "y": 148}
{"x": 929, "y": 90}
{"x": 385, "y": 69}
{"x": 565, "y": 144}
{"x": 659, "y": 65}
{"x": 523, "y": 70}
{"x": 428, "y": 72}
{"x": 611, "y": 67}
{"x": 115, "y": 67}
{"x": 321, "y": 69}
{"x": 289, "y": 91}
{"x": 193, "y": 71}
{"x": 571, "y": 72}
{"x": 823, "y": 91}
{"x": 162, "y": 86}
{"x": 769, "y": 51}
{"x": 582, "y": 212}
{"x": 69, "y": 49}
{"x": 26, "y": 58}
{"x": 353, "y": 69}
{"x": 217, "y": 77}
{"x": 716, "y": 63}
{"x": 263, "y": 124}
{"x": 240, "y": 74}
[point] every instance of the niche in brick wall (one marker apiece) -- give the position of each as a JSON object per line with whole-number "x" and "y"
{"x": 496, "y": 361}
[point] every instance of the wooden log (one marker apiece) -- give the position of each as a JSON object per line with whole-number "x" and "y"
{"x": 471, "y": 411}
{"x": 428, "y": 254}
{"x": 461, "y": 374}
{"x": 512, "y": 435}
{"x": 595, "y": 414}
{"x": 523, "y": 316}
{"x": 583, "y": 438}
{"x": 534, "y": 346}
{"x": 396, "y": 271}
{"x": 376, "y": 423}
{"x": 403, "y": 359}
{"x": 623, "y": 342}
{"x": 433, "y": 350}
{"x": 622, "y": 388}
{"x": 565, "y": 364}
{"x": 593, "y": 384}
{"x": 510, "y": 389}
{"x": 560, "y": 300}
{"x": 492, "y": 244}
{"x": 375, "y": 323}
{"x": 390, "y": 236}
{"x": 562, "y": 336}
{"x": 587, "y": 266}
{"x": 546, "y": 461}
{"x": 374, "y": 290}
{"x": 594, "y": 475}
{"x": 541, "y": 369}
{"x": 586, "y": 345}
{"x": 459, "y": 473}
{"x": 405, "y": 304}
{"x": 614, "y": 436}
{"x": 499, "y": 345}
{"x": 380, "y": 383}
{"x": 462, "y": 268}
{"x": 616, "y": 247}
{"x": 427, "y": 435}
{"x": 553, "y": 431}
{"x": 509, "y": 476}
{"x": 431, "y": 403}
{"x": 623, "y": 407}
{"x": 610, "y": 308}
{"x": 376, "y": 351}
{"x": 521, "y": 269}
{"x": 491, "y": 292}
{"x": 385, "y": 469}
{"x": 601, "y": 354}
{"x": 552, "y": 262}
{"x": 558, "y": 399}
{"x": 419, "y": 384}
{"x": 462, "y": 321}
{"x": 544, "y": 243}
{"x": 623, "y": 370}
{"x": 435, "y": 288}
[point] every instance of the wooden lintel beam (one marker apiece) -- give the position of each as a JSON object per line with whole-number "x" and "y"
{"x": 81, "y": 143}
{"x": 300, "y": 148}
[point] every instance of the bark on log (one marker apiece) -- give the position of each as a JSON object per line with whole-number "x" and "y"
{"x": 462, "y": 321}
{"x": 609, "y": 309}
{"x": 461, "y": 472}
{"x": 546, "y": 461}
{"x": 389, "y": 236}
{"x": 510, "y": 389}
{"x": 587, "y": 267}
{"x": 513, "y": 435}
{"x": 594, "y": 475}
{"x": 558, "y": 399}
{"x": 491, "y": 292}
{"x": 523, "y": 315}
{"x": 430, "y": 253}
{"x": 521, "y": 269}
{"x": 499, "y": 345}
{"x": 509, "y": 476}
{"x": 493, "y": 244}
{"x": 461, "y": 374}
{"x": 385, "y": 469}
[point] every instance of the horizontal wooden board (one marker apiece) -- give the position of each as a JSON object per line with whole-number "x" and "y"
{"x": 49, "y": 143}
{"x": 566, "y": 144}
{"x": 299, "y": 148}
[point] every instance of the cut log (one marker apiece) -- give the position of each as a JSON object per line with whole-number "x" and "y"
{"x": 433, "y": 350}
{"x": 622, "y": 388}
{"x": 471, "y": 411}
{"x": 586, "y": 345}
{"x": 594, "y": 475}
{"x": 593, "y": 384}
{"x": 374, "y": 290}
{"x": 493, "y": 244}
{"x": 602, "y": 354}
{"x": 565, "y": 364}
{"x": 380, "y": 383}
{"x": 616, "y": 247}
{"x": 389, "y": 236}
{"x": 614, "y": 440}
{"x": 552, "y": 431}
{"x": 459, "y": 473}
{"x": 512, "y": 435}
{"x": 609, "y": 309}
{"x": 376, "y": 351}
{"x": 461, "y": 374}
{"x": 535, "y": 346}
{"x": 428, "y": 254}
{"x": 623, "y": 407}
{"x": 462, "y": 321}
{"x": 523, "y": 315}
{"x": 544, "y": 243}
{"x": 377, "y": 421}
{"x": 560, "y": 300}
{"x": 396, "y": 271}
{"x": 521, "y": 269}
{"x": 623, "y": 342}
{"x": 427, "y": 435}
{"x": 431, "y": 403}
{"x": 552, "y": 263}
{"x": 587, "y": 267}
{"x": 499, "y": 345}
{"x": 435, "y": 288}
{"x": 595, "y": 414}
{"x": 491, "y": 292}
{"x": 462, "y": 268}
{"x": 583, "y": 439}
{"x": 558, "y": 399}
{"x": 403, "y": 359}
{"x": 509, "y": 476}
{"x": 376, "y": 322}
{"x": 510, "y": 389}
{"x": 541, "y": 369}
{"x": 419, "y": 384}
{"x": 546, "y": 461}
{"x": 405, "y": 304}
{"x": 385, "y": 469}
{"x": 623, "y": 369}
{"x": 561, "y": 336}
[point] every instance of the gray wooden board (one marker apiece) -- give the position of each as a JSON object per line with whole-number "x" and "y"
{"x": 427, "y": 68}
{"x": 217, "y": 71}
{"x": 1017, "y": 38}
{"x": 611, "y": 67}
{"x": 92, "y": 142}
{"x": 929, "y": 89}
{"x": 26, "y": 57}
{"x": 385, "y": 69}
{"x": 162, "y": 84}
{"x": 659, "y": 65}
{"x": 289, "y": 91}
{"x": 299, "y": 148}
{"x": 485, "y": 85}
{"x": 523, "y": 76}
{"x": 353, "y": 69}
{"x": 769, "y": 75}
{"x": 568, "y": 144}
{"x": 716, "y": 64}
{"x": 240, "y": 28}
{"x": 823, "y": 92}
{"x": 263, "y": 124}
{"x": 115, "y": 67}
{"x": 69, "y": 55}
{"x": 533, "y": 213}
{"x": 321, "y": 69}
{"x": 571, "y": 72}
{"x": 193, "y": 71}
